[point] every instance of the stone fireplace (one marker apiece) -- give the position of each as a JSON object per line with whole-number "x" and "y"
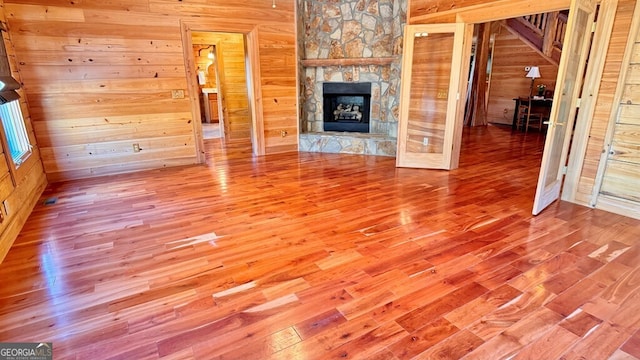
{"x": 347, "y": 106}
{"x": 351, "y": 42}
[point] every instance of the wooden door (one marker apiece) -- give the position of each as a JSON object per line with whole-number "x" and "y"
{"x": 433, "y": 78}
{"x": 565, "y": 102}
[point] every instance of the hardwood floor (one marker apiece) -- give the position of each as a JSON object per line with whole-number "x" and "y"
{"x": 210, "y": 130}
{"x": 320, "y": 256}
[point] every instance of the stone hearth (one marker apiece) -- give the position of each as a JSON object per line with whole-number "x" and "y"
{"x": 337, "y": 32}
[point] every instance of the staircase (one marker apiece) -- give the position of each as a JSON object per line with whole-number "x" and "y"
{"x": 543, "y": 32}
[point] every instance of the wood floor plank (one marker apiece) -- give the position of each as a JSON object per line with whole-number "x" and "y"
{"x": 525, "y": 331}
{"x": 316, "y": 256}
{"x": 621, "y": 355}
{"x": 455, "y": 346}
{"x": 424, "y": 338}
{"x": 510, "y": 313}
{"x": 472, "y": 311}
{"x": 599, "y": 344}
{"x": 580, "y": 323}
{"x": 632, "y": 346}
{"x": 417, "y": 318}
{"x": 570, "y": 300}
{"x": 550, "y": 346}
{"x": 365, "y": 346}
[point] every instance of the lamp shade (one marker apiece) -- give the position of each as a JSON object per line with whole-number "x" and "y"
{"x": 533, "y": 73}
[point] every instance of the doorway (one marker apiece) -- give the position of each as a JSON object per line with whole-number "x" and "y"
{"x": 222, "y": 81}
{"x": 206, "y": 60}
{"x": 556, "y": 147}
{"x": 219, "y": 73}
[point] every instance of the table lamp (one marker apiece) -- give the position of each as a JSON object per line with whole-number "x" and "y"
{"x": 533, "y": 73}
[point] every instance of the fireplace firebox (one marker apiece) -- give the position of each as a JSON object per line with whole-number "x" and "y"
{"x": 346, "y": 106}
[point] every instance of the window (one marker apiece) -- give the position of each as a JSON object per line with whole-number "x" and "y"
{"x": 16, "y": 132}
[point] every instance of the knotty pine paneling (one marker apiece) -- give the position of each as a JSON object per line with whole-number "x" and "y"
{"x": 79, "y": 30}
{"x": 149, "y": 125}
{"x": 423, "y": 7}
{"x": 475, "y": 11}
{"x": 508, "y": 81}
{"x": 120, "y": 5}
{"x": 621, "y": 178}
{"x": 626, "y": 144}
{"x": 53, "y": 43}
{"x": 91, "y": 72}
{"x": 276, "y": 62}
{"x": 629, "y": 114}
{"x": 248, "y": 11}
{"x": 20, "y": 190}
{"x": 100, "y": 75}
{"x": 605, "y": 102}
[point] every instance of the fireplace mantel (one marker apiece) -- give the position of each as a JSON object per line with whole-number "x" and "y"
{"x": 347, "y": 62}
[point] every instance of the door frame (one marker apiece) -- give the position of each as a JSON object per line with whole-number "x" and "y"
{"x": 565, "y": 104}
{"x": 589, "y": 96}
{"x": 252, "y": 64}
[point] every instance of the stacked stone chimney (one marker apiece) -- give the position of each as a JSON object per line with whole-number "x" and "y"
{"x": 352, "y": 29}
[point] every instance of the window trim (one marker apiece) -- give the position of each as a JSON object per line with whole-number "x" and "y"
{"x": 15, "y": 130}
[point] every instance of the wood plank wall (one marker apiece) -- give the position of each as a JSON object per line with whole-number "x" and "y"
{"x": 470, "y": 11}
{"x": 278, "y": 64}
{"x": 622, "y": 174}
{"x": 20, "y": 188}
{"x": 419, "y": 8}
{"x": 233, "y": 81}
{"x": 605, "y": 103}
{"x": 100, "y": 76}
{"x": 508, "y": 81}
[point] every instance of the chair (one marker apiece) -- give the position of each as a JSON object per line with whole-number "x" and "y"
{"x": 527, "y": 119}
{"x": 535, "y": 121}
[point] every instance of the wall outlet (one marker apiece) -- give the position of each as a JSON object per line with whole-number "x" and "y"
{"x": 136, "y": 147}
{"x": 442, "y": 94}
{"x": 177, "y": 94}
{"x": 425, "y": 141}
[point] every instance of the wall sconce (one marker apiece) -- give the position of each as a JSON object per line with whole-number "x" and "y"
{"x": 210, "y": 55}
